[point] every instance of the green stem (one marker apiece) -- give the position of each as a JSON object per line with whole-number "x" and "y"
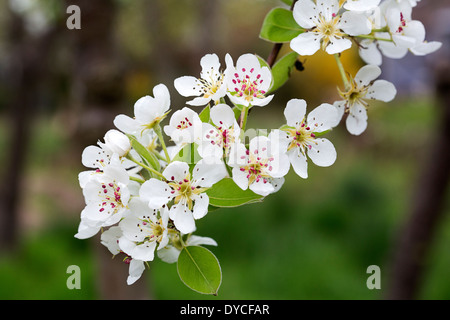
{"x": 244, "y": 115}
{"x": 137, "y": 179}
{"x": 159, "y": 174}
{"x": 342, "y": 71}
{"x": 368, "y": 36}
{"x": 157, "y": 129}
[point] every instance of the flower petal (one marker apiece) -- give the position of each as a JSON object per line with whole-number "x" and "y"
{"x": 182, "y": 218}
{"x": 322, "y": 153}
{"x": 366, "y": 75}
{"x": 305, "y": 13}
{"x": 356, "y": 121}
{"x": 295, "y": 112}
{"x": 200, "y": 206}
{"x": 187, "y": 86}
{"x": 176, "y": 171}
{"x": 338, "y": 45}
{"x": 222, "y": 116}
{"x": 156, "y": 192}
{"x": 382, "y": 90}
{"x": 322, "y": 118}
{"x": 299, "y": 162}
{"x": 306, "y": 43}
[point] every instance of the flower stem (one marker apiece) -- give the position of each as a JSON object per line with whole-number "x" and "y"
{"x": 137, "y": 179}
{"x": 157, "y": 129}
{"x": 368, "y": 36}
{"x": 244, "y": 115}
{"x": 342, "y": 71}
{"x": 159, "y": 174}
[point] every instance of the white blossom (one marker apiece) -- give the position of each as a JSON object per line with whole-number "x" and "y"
{"x": 217, "y": 139}
{"x": 148, "y": 111}
{"x": 248, "y": 82}
{"x": 262, "y": 167}
{"x": 184, "y": 127}
{"x": 211, "y": 85}
{"x": 301, "y": 135}
{"x": 186, "y": 189}
{"x": 171, "y": 252}
{"x": 363, "y": 88}
{"x": 325, "y": 27}
{"x": 106, "y": 195}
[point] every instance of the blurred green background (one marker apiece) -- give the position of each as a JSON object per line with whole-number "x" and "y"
{"x": 312, "y": 240}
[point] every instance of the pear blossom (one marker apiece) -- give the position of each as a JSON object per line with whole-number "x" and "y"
{"x": 184, "y": 127}
{"x": 170, "y": 253}
{"x": 402, "y": 35}
{"x": 325, "y": 27}
{"x": 211, "y": 86}
{"x": 301, "y": 135}
{"x": 148, "y": 111}
{"x": 186, "y": 189}
{"x": 218, "y": 139}
{"x": 117, "y": 142}
{"x": 248, "y": 82}
{"x": 143, "y": 230}
{"x": 363, "y": 88}
{"x": 361, "y": 5}
{"x": 106, "y": 195}
{"x": 262, "y": 166}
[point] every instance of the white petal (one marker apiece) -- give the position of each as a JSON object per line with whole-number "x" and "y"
{"x": 261, "y": 102}
{"x": 126, "y": 124}
{"x": 210, "y": 63}
{"x": 361, "y": 5}
{"x": 340, "y": 107}
{"x": 169, "y": 254}
{"x": 306, "y": 43}
{"x": 162, "y": 97}
{"x": 355, "y": 24}
{"x": 262, "y": 188}
{"x": 240, "y": 178}
{"x": 199, "y": 101}
{"x": 366, "y": 75}
{"x": 206, "y": 174}
{"x": 200, "y": 206}
{"x": 369, "y": 52}
{"x": 86, "y": 230}
{"x": 322, "y": 118}
{"x": 187, "y": 86}
{"x": 338, "y": 45}
{"x": 222, "y": 116}
{"x": 144, "y": 251}
{"x": 136, "y": 269}
{"x": 182, "y": 218}
{"x": 295, "y": 112}
{"x": 322, "y": 153}
{"x": 156, "y": 192}
{"x": 197, "y": 241}
{"x": 94, "y": 157}
{"x": 247, "y": 62}
{"x": 109, "y": 239}
{"x": 356, "y": 121}
{"x": 131, "y": 230}
{"x": 382, "y": 90}
{"x": 303, "y": 11}
{"x": 176, "y": 171}
{"x": 299, "y": 163}
{"x": 425, "y": 48}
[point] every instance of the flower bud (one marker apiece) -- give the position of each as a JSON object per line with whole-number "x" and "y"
{"x": 117, "y": 142}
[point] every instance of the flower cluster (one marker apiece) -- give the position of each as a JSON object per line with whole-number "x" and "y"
{"x": 146, "y": 198}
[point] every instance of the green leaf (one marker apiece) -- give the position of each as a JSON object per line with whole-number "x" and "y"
{"x": 281, "y": 71}
{"x": 288, "y": 2}
{"x": 205, "y": 114}
{"x": 148, "y": 157}
{"x": 226, "y": 194}
{"x": 279, "y": 26}
{"x": 188, "y": 154}
{"x": 199, "y": 269}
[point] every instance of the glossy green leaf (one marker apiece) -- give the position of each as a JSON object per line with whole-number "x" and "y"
{"x": 205, "y": 114}
{"x": 282, "y": 69}
{"x": 199, "y": 269}
{"x": 188, "y": 154}
{"x": 279, "y": 26}
{"x": 226, "y": 194}
{"x": 148, "y": 157}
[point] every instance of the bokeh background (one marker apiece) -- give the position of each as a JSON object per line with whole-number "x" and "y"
{"x": 384, "y": 202}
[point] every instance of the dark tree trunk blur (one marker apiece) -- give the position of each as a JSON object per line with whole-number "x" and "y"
{"x": 416, "y": 238}
{"x": 97, "y": 95}
{"x": 29, "y": 58}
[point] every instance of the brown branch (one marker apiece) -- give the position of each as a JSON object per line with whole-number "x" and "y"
{"x": 277, "y": 46}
